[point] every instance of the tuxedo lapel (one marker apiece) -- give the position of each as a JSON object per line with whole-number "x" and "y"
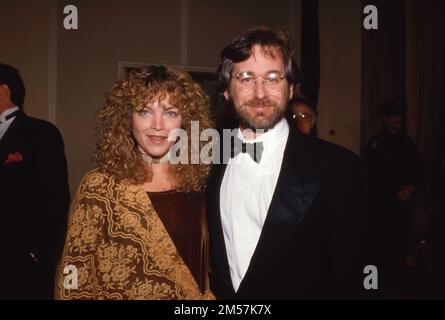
{"x": 291, "y": 200}
{"x": 294, "y": 191}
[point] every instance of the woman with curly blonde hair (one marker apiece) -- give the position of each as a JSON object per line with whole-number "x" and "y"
{"x": 137, "y": 227}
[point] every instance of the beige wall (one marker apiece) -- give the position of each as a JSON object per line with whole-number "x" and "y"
{"x": 24, "y": 43}
{"x": 214, "y": 24}
{"x": 340, "y": 72}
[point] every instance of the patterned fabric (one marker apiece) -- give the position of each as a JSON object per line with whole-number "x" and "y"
{"x": 120, "y": 247}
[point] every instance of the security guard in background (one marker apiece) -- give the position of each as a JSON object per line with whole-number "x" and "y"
{"x": 394, "y": 175}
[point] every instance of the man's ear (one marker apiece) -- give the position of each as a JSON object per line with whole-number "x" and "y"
{"x": 4, "y": 91}
{"x": 291, "y": 91}
{"x": 226, "y": 95}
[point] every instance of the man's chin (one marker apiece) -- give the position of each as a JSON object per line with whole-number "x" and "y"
{"x": 261, "y": 116}
{"x": 258, "y": 122}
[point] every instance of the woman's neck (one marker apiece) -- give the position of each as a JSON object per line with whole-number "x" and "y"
{"x": 162, "y": 177}
{"x": 160, "y": 167}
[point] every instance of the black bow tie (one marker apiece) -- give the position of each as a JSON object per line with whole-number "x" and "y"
{"x": 11, "y": 115}
{"x": 255, "y": 150}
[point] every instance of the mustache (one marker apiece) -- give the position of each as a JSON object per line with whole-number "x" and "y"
{"x": 260, "y": 103}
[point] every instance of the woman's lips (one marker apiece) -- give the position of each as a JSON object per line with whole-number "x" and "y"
{"x": 157, "y": 139}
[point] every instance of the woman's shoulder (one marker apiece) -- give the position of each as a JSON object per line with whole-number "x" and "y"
{"x": 95, "y": 175}
{"x": 99, "y": 182}
{"x": 96, "y": 179}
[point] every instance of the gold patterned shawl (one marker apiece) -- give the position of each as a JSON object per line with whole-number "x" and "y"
{"x": 120, "y": 247}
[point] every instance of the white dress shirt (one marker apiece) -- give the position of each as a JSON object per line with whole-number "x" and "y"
{"x": 4, "y": 124}
{"x": 246, "y": 193}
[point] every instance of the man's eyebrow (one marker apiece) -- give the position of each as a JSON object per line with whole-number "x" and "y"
{"x": 274, "y": 71}
{"x": 253, "y": 73}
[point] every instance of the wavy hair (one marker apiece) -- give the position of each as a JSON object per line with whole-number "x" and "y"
{"x": 117, "y": 151}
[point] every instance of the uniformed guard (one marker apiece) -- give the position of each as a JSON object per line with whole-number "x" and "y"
{"x": 394, "y": 175}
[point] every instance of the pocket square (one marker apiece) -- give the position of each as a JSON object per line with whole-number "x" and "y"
{"x": 14, "y": 157}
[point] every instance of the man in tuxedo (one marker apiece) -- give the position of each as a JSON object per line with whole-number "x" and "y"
{"x": 285, "y": 221}
{"x": 34, "y": 195}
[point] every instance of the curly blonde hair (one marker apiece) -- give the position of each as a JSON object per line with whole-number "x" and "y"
{"x": 117, "y": 152}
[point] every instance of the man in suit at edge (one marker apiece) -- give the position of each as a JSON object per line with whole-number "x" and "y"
{"x": 34, "y": 195}
{"x": 287, "y": 223}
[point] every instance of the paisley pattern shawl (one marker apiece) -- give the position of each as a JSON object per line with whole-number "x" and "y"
{"x": 120, "y": 247}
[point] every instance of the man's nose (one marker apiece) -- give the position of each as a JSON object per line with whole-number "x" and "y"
{"x": 259, "y": 89}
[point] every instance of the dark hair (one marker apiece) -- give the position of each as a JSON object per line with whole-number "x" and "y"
{"x": 392, "y": 108}
{"x": 300, "y": 99}
{"x": 10, "y": 76}
{"x": 241, "y": 48}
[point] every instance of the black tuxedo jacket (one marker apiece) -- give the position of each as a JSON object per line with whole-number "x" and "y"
{"x": 34, "y": 200}
{"x": 311, "y": 242}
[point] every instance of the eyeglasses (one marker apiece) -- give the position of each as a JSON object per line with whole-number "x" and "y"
{"x": 302, "y": 116}
{"x": 248, "y": 81}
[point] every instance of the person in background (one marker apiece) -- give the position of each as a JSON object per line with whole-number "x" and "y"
{"x": 394, "y": 175}
{"x": 303, "y": 113}
{"x": 34, "y": 195}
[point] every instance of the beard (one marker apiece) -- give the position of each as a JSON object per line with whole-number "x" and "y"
{"x": 259, "y": 120}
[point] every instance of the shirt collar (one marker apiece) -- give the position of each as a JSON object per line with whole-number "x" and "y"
{"x": 6, "y": 113}
{"x": 271, "y": 138}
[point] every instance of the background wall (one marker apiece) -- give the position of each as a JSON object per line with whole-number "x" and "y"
{"x": 340, "y": 72}
{"x": 214, "y": 24}
{"x": 27, "y": 48}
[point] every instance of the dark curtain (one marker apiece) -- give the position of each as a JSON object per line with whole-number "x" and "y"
{"x": 383, "y": 64}
{"x": 310, "y": 49}
{"x": 425, "y": 60}
{"x": 426, "y": 115}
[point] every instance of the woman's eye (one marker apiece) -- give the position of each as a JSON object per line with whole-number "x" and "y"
{"x": 144, "y": 112}
{"x": 172, "y": 114}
